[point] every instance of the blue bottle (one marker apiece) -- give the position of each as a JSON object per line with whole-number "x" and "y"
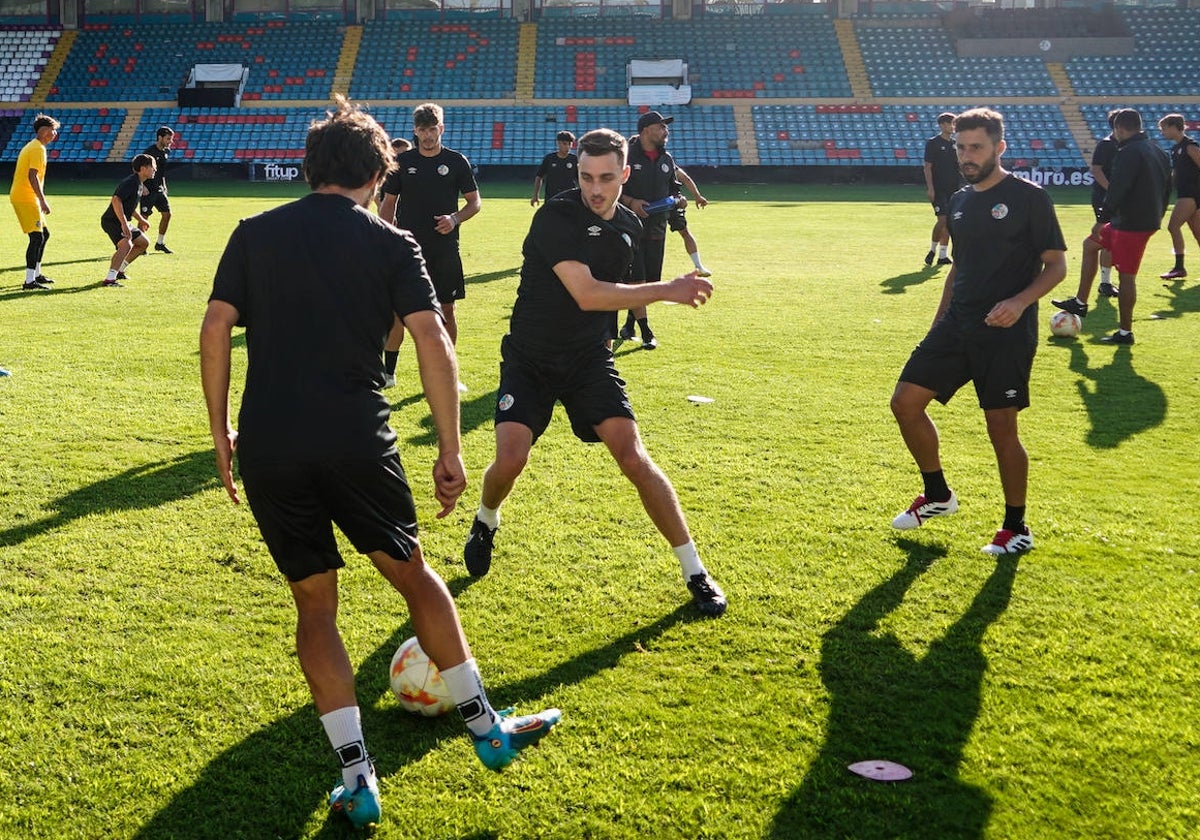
{"x": 660, "y": 206}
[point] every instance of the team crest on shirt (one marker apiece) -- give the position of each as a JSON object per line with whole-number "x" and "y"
{"x": 570, "y": 165}
{"x": 443, "y": 169}
{"x": 593, "y": 230}
{"x": 506, "y": 402}
{"x": 999, "y": 211}
{"x": 665, "y": 168}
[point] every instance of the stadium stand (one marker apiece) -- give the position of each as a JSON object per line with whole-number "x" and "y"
{"x": 1165, "y": 62}
{"x": 87, "y": 136}
{"x": 150, "y": 62}
{"x": 23, "y": 56}
{"x": 509, "y": 86}
{"x": 439, "y": 60}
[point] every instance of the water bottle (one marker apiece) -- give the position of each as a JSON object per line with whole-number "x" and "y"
{"x": 660, "y": 206}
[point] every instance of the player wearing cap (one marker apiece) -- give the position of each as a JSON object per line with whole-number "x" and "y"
{"x": 651, "y": 178}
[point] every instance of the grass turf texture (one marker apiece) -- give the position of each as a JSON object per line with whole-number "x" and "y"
{"x": 150, "y": 688}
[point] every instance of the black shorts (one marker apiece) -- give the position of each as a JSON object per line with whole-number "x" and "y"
{"x": 113, "y": 228}
{"x": 677, "y": 221}
{"x": 446, "y": 271}
{"x": 585, "y": 381}
{"x": 941, "y": 203}
{"x": 648, "y": 261}
{"x": 296, "y": 505}
{"x": 945, "y": 360}
{"x": 155, "y": 201}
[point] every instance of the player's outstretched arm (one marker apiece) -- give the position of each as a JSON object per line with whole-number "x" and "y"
{"x": 215, "y": 346}
{"x": 439, "y": 378}
{"x": 594, "y": 296}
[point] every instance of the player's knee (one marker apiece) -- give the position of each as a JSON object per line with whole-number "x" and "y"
{"x": 510, "y": 462}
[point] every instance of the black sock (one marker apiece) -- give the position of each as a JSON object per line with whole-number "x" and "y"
{"x": 629, "y": 322}
{"x": 935, "y": 486}
{"x": 1179, "y": 262}
{"x": 1014, "y": 518}
{"x": 644, "y": 326}
{"x": 389, "y": 361}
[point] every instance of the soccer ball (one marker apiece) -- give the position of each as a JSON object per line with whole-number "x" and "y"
{"x": 417, "y": 683}
{"x": 1065, "y": 324}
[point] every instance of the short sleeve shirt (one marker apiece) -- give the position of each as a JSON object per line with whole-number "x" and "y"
{"x": 999, "y": 237}
{"x": 565, "y": 229}
{"x": 128, "y": 192}
{"x": 428, "y": 187}
{"x": 942, "y": 156}
{"x": 559, "y": 174}
{"x": 33, "y": 156}
{"x": 160, "y": 161}
{"x": 1187, "y": 176}
{"x": 316, "y": 320}
{"x": 650, "y": 179}
{"x": 1102, "y": 156}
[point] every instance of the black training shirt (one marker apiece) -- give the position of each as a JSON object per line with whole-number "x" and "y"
{"x": 943, "y": 159}
{"x": 128, "y": 191}
{"x": 428, "y": 187}
{"x": 1102, "y": 156}
{"x": 315, "y": 283}
{"x": 559, "y": 174}
{"x": 160, "y": 160}
{"x": 999, "y": 237}
{"x": 650, "y": 180}
{"x": 1187, "y": 175}
{"x": 564, "y": 228}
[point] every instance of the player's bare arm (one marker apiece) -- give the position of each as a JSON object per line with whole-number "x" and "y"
{"x": 593, "y": 295}
{"x": 215, "y": 344}
{"x": 37, "y": 190}
{"x": 445, "y": 224}
{"x": 439, "y": 378}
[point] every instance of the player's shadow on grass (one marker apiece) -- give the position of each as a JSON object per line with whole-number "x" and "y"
{"x": 1119, "y": 402}
{"x": 887, "y": 703}
{"x": 271, "y": 783}
{"x": 490, "y": 276}
{"x": 475, "y": 411}
{"x": 899, "y": 284}
{"x": 1182, "y": 299}
{"x": 14, "y": 292}
{"x": 137, "y": 488}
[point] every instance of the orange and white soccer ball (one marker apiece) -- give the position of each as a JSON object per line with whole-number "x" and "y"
{"x": 1065, "y": 324}
{"x": 417, "y": 683}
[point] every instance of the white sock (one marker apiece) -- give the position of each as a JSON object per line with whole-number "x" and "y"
{"x": 343, "y": 727}
{"x": 1105, "y": 273}
{"x": 37, "y": 269}
{"x": 488, "y": 516}
{"x": 466, "y": 689}
{"x": 695, "y": 255}
{"x": 161, "y": 238}
{"x": 112, "y": 275}
{"x": 689, "y": 560}
{"x": 933, "y": 246}
{"x": 124, "y": 264}
{"x": 30, "y": 275}
{"x": 942, "y": 252}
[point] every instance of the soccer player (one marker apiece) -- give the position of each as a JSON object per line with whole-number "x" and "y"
{"x": 941, "y": 181}
{"x": 1102, "y": 160}
{"x": 559, "y": 169}
{"x": 316, "y": 283}
{"x": 651, "y": 178}
{"x": 28, "y": 198}
{"x": 1185, "y": 170}
{"x": 1138, "y": 194}
{"x": 677, "y": 219}
{"x": 155, "y": 197}
{"x": 577, "y": 258}
{"x": 422, "y": 193}
{"x": 391, "y": 348}
{"x": 122, "y": 207}
{"x": 1008, "y": 252}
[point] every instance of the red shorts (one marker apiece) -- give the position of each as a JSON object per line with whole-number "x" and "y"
{"x": 1126, "y": 246}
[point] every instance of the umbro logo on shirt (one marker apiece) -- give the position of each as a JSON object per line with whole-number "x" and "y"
{"x": 412, "y": 170}
{"x": 958, "y": 215}
{"x": 594, "y": 230}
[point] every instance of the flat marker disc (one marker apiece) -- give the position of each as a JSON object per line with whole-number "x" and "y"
{"x": 881, "y": 771}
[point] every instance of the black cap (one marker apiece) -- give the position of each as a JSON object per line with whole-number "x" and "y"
{"x": 653, "y": 118}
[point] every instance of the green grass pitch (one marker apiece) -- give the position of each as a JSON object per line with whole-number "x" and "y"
{"x": 149, "y": 687}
